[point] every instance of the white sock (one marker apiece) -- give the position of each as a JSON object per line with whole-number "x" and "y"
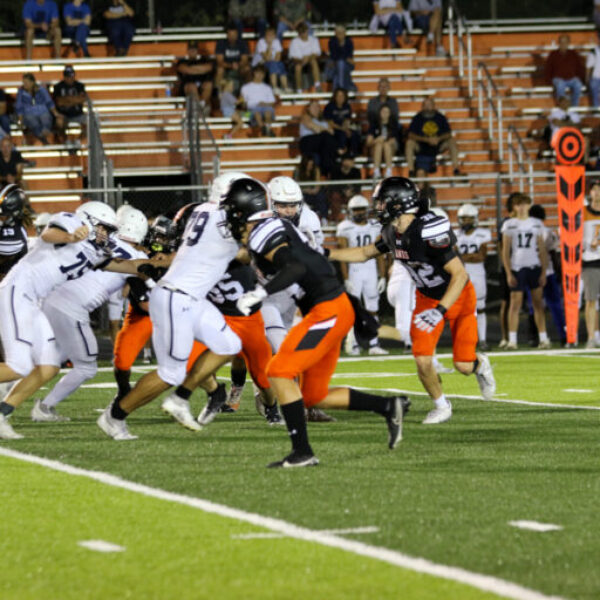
{"x": 372, "y": 343}
{"x": 512, "y": 337}
{"x": 543, "y": 336}
{"x": 441, "y": 402}
{"x": 68, "y": 384}
{"x": 482, "y": 326}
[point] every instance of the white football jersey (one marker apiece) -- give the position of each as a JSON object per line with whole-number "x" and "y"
{"x": 81, "y": 296}
{"x": 46, "y": 266}
{"x": 310, "y": 225}
{"x": 523, "y": 238}
{"x": 360, "y": 234}
{"x": 471, "y": 242}
{"x": 206, "y": 250}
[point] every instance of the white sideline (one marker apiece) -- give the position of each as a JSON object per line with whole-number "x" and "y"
{"x": 486, "y": 583}
{"x": 273, "y": 535}
{"x": 101, "y": 546}
{"x": 535, "y": 526}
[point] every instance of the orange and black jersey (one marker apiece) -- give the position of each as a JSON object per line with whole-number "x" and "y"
{"x": 238, "y": 279}
{"x": 318, "y": 280}
{"x": 424, "y": 248}
{"x": 13, "y": 246}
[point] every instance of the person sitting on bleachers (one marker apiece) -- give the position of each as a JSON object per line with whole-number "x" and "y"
{"x": 338, "y": 195}
{"x": 35, "y": 108}
{"x": 383, "y": 99}
{"x": 268, "y": 53}
{"x": 382, "y": 142}
{"x": 338, "y": 114}
{"x": 249, "y": 13}
{"x": 78, "y": 16}
{"x": 593, "y": 73}
{"x": 390, "y": 15}
{"x": 119, "y": 26}
{"x": 565, "y": 70}
{"x": 229, "y": 107}
{"x": 340, "y": 63}
{"x": 259, "y": 99}
{"x": 233, "y": 61}
{"x": 195, "y": 76}
{"x": 304, "y": 52}
{"x": 41, "y": 20}
{"x": 429, "y": 134}
{"x": 427, "y": 16}
{"x": 4, "y": 118}
{"x": 290, "y": 14}
{"x": 69, "y": 96}
{"x": 564, "y": 115}
{"x": 316, "y": 138}
{"x": 11, "y": 163}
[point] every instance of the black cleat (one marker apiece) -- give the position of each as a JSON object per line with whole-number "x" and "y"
{"x": 400, "y": 406}
{"x": 316, "y": 415}
{"x": 295, "y": 459}
{"x": 216, "y": 400}
{"x": 272, "y": 415}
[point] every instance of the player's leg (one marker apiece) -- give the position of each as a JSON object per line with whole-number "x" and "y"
{"x": 371, "y": 302}
{"x": 274, "y": 327}
{"x": 539, "y": 314}
{"x": 553, "y": 300}
{"x": 516, "y": 301}
{"x": 480, "y": 285}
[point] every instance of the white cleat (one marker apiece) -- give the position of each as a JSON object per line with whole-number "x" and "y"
{"x": 485, "y": 377}
{"x": 179, "y": 409}
{"x": 353, "y": 352}
{"x": 511, "y": 346}
{"x": 114, "y": 428}
{"x": 377, "y": 351}
{"x": 6, "y": 431}
{"x": 40, "y": 413}
{"x": 545, "y": 345}
{"x": 438, "y": 415}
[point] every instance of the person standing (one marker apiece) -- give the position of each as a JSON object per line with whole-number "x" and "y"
{"x": 591, "y": 263}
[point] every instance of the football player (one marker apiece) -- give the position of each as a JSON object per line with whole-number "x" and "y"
{"x": 366, "y": 281}
{"x": 472, "y": 242}
{"x": 311, "y": 348}
{"x": 14, "y": 218}
{"x": 424, "y": 243}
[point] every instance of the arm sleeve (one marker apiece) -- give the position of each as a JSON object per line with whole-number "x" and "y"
{"x": 289, "y": 270}
{"x": 138, "y": 291}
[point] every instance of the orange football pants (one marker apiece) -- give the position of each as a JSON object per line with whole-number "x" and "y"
{"x": 461, "y": 317}
{"x": 312, "y": 347}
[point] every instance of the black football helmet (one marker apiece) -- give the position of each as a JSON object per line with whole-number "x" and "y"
{"x": 12, "y": 204}
{"x": 395, "y": 196}
{"x": 161, "y": 235}
{"x": 246, "y": 198}
{"x": 180, "y": 221}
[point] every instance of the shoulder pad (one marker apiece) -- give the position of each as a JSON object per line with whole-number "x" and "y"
{"x": 267, "y": 235}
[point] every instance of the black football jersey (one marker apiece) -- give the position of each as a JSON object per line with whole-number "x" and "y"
{"x": 319, "y": 283}
{"x": 424, "y": 248}
{"x": 13, "y": 246}
{"x": 238, "y": 279}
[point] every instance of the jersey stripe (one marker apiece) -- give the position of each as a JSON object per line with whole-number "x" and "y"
{"x": 439, "y": 229}
{"x": 260, "y": 236}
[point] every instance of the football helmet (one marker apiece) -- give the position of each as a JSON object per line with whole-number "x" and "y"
{"x": 12, "y": 202}
{"x": 286, "y": 195}
{"x": 395, "y": 196}
{"x": 161, "y": 235}
{"x": 133, "y": 225}
{"x": 180, "y": 221}
{"x": 221, "y": 184}
{"x": 358, "y": 208}
{"x": 468, "y": 216}
{"x": 40, "y": 222}
{"x": 95, "y": 214}
{"x": 246, "y": 201}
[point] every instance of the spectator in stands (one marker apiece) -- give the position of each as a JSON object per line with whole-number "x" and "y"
{"x": 40, "y": 18}
{"x": 69, "y": 97}
{"x": 591, "y": 263}
{"x": 593, "y": 73}
{"x": 429, "y": 134}
{"x": 383, "y": 99}
{"x": 565, "y": 70}
{"x": 339, "y": 116}
{"x": 249, "y": 13}
{"x": 382, "y": 142}
{"x": 35, "y": 109}
{"x": 119, "y": 26}
{"x": 77, "y": 16}
{"x": 4, "y": 118}
{"x": 195, "y": 76}
{"x": 341, "y": 63}
{"x": 427, "y": 16}
{"x": 317, "y": 139}
{"x": 390, "y": 15}
{"x": 268, "y": 53}
{"x": 229, "y": 107}
{"x": 290, "y": 14}
{"x": 233, "y": 61}
{"x": 304, "y": 52}
{"x": 11, "y": 162}
{"x": 259, "y": 99}
{"x": 314, "y": 195}
{"x": 338, "y": 196}
{"x": 564, "y": 115}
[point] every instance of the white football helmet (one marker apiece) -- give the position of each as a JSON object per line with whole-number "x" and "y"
{"x": 94, "y": 213}
{"x": 358, "y": 203}
{"x": 40, "y": 222}
{"x": 221, "y": 183}
{"x": 468, "y": 211}
{"x": 133, "y": 225}
{"x": 284, "y": 190}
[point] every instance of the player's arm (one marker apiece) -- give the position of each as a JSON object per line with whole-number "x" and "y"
{"x": 458, "y": 280}
{"x": 359, "y": 254}
{"x": 57, "y": 235}
{"x": 343, "y": 243}
{"x": 122, "y": 265}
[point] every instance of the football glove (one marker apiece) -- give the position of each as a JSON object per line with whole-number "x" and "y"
{"x": 349, "y": 286}
{"x": 250, "y": 299}
{"x": 428, "y": 320}
{"x": 381, "y": 285}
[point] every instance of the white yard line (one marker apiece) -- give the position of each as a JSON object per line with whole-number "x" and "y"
{"x": 101, "y": 546}
{"x": 486, "y": 583}
{"x": 273, "y": 535}
{"x": 578, "y": 391}
{"x": 535, "y": 526}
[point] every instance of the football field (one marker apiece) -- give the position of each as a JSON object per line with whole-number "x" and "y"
{"x": 502, "y": 501}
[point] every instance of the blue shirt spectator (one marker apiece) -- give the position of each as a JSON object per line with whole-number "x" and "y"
{"x": 40, "y": 13}
{"x": 35, "y": 108}
{"x": 119, "y": 25}
{"x": 40, "y": 18}
{"x": 78, "y": 16}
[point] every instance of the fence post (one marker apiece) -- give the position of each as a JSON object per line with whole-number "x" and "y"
{"x": 470, "y": 62}
{"x": 500, "y": 125}
{"x": 450, "y": 30}
{"x": 498, "y": 206}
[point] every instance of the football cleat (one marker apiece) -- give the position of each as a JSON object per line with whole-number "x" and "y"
{"x": 377, "y": 351}
{"x": 234, "y": 397}
{"x": 215, "y": 402}
{"x": 114, "y": 428}
{"x": 545, "y": 345}
{"x": 258, "y": 401}
{"x": 179, "y": 409}
{"x": 6, "y": 430}
{"x": 441, "y": 369}
{"x": 395, "y": 418}
{"x": 46, "y": 414}
{"x": 438, "y": 415}
{"x": 353, "y": 351}
{"x": 316, "y": 415}
{"x": 502, "y": 344}
{"x": 272, "y": 415}
{"x": 295, "y": 459}
{"x": 511, "y": 346}
{"x": 485, "y": 377}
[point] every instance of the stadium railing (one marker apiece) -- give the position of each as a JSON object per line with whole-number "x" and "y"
{"x": 457, "y": 22}
{"x": 516, "y": 150}
{"x": 489, "y": 97}
{"x": 99, "y": 166}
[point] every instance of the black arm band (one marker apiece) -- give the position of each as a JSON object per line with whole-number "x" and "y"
{"x": 289, "y": 270}
{"x": 441, "y": 309}
{"x": 381, "y": 246}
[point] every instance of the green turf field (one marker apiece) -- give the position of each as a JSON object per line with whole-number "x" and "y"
{"x": 447, "y": 494}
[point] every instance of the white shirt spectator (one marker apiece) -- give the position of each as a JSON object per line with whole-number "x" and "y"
{"x": 593, "y": 62}
{"x": 560, "y": 114}
{"x": 300, "y": 48}
{"x": 422, "y": 5}
{"x": 383, "y": 20}
{"x": 261, "y": 47}
{"x": 255, "y": 93}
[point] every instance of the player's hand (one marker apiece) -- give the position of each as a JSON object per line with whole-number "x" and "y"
{"x": 381, "y": 284}
{"x": 249, "y": 300}
{"x": 349, "y": 287}
{"x": 80, "y": 234}
{"x": 428, "y": 320}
